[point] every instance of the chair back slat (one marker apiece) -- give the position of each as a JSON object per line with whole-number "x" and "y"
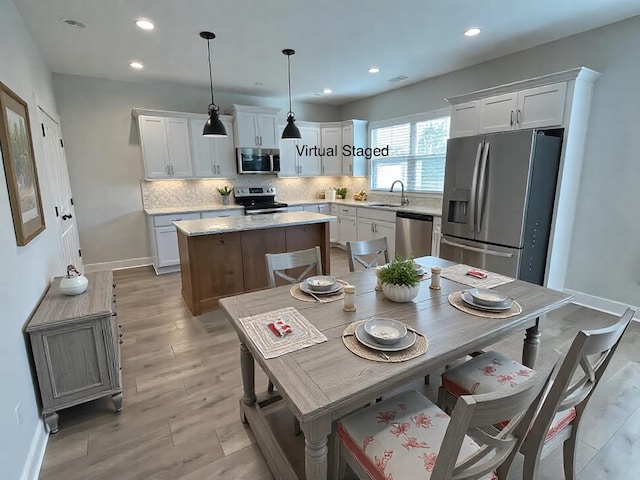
{"x": 280, "y": 265}
{"x": 373, "y": 251}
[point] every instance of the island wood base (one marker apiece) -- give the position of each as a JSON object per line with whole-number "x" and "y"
{"x": 218, "y": 265}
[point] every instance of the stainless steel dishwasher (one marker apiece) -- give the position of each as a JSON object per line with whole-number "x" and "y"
{"x": 413, "y": 234}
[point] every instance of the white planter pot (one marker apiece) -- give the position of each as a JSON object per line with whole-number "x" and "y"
{"x": 400, "y": 293}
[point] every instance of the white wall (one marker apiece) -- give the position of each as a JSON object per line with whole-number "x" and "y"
{"x": 26, "y": 271}
{"x": 102, "y": 150}
{"x": 605, "y": 259}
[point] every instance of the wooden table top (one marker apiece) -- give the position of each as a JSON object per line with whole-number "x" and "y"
{"x": 328, "y": 379}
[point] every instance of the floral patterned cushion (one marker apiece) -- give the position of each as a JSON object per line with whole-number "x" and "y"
{"x": 491, "y": 372}
{"x": 399, "y": 438}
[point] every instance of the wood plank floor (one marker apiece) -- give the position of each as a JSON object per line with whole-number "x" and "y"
{"x": 182, "y": 384}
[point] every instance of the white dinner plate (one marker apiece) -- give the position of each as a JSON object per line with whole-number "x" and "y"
{"x": 405, "y": 342}
{"x": 334, "y": 289}
{"x": 486, "y": 297}
{"x": 320, "y": 283}
{"x": 468, "y": 299}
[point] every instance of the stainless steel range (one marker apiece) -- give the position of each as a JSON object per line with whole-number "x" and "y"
{"x": 258, "y": 200}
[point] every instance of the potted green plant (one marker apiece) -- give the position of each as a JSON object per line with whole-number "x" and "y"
{"x": 399, "y": 280}
{"x": 341, "y": 192}
{"x": 225, "y": 192}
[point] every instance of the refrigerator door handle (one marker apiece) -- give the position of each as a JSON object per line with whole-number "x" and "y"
{"x": 474, "y": 249}
{"x": 480, "y": 201}
{"x": 474, "y": 186}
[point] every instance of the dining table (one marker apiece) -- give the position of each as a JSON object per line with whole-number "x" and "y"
{"x": 326, "y": 381}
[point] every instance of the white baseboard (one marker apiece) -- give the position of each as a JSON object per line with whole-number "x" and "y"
{"x": 602, "y": 304}
{"x": 32, "y": 466}
{"x": 118, "y": 264}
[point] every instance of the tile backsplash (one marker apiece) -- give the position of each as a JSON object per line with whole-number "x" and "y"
{"x": 191, "y": 193}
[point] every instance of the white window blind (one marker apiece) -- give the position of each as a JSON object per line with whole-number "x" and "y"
{"x": 417, "y": 153}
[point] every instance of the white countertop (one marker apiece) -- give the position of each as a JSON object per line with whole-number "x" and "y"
{"x": 212, "y": 226}
{"x": 351, "y": 203}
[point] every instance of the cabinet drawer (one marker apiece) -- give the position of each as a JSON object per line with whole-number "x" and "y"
{"x": 166, "y": 220}
{"x": 222, "y": 213}
{"x": 346, "y": 210}
{"x": 377, "y": 214}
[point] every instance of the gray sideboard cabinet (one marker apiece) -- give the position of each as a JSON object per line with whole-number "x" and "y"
{"x": 75, "y": 342}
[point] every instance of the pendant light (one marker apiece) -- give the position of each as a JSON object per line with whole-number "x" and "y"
{"x": 213, "y": 127}
{"x": 290, "y": 131}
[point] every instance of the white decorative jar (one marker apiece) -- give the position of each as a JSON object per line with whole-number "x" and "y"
{"x": 400, "y": 293}
{"x": 73, "y": 283}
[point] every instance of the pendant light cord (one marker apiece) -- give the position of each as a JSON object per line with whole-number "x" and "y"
{"x": 289, "y": 70}
{"x": 213, "y": 104}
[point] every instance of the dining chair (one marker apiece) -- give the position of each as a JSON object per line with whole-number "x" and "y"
{"x": 562, "y": 409}
{"x": 366, "y": 248}
{"x": 408, "y": 436}
{"x": 277, "y": 263}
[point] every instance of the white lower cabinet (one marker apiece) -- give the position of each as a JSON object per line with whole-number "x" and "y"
{"x": 373, "y": 223}
{"x": 325, "y": 209}
{"x": 347, "y": 224}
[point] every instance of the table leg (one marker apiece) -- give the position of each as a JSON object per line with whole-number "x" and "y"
{"x": 316, "y": 451}
{"x": 247, "y": 366}
{"x": 532, "y": 343}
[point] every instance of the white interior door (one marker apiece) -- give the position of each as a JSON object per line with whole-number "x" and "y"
{"x": 58, "y": 177}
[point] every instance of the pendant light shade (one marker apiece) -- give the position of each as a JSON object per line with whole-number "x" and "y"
{"x": 213, "y": 127}
{"x": 290, "y": 131}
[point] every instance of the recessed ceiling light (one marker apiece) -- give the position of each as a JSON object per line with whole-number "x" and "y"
{"x": 136, "y": 65}
{"x": 472, "y": 32}
{"x": 326, "y": 91}
{"x": 374, "y": 70}
{"x": 145, "y": 24}
{"x": 72, "y": 23}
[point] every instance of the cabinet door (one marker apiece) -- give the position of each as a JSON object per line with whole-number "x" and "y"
{"x": 348, "y": 231}
{"x": 179, "y": 147}
{"x": 155, "y": 152}
{"x": 288, "y": 159}
{"x": 224, "y": 154}
{"x": 347, "y": 139}
{"x": 332, "y": 139}
{"x": 309, "y": 165}
{"x": 386, "y": 229}
{"x": 167, "y": 245}
{"x": 246, "y": 130}
{"x": 498, "y": 114}
{"x": 541, "y": 106}
{"x": 464, "y": 120}
{"x": 295, "y": 208}
{"x": 268, "y": 130}
{"x": 365, "y": 229}
{"x": 201, "y": 149}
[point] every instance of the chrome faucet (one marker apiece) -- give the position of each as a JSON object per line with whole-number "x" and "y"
{"x": 404, "y": 200}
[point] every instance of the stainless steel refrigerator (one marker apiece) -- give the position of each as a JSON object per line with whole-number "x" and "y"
{"x": 498, "y": 201}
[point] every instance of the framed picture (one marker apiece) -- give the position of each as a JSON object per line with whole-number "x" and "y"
{"x": 20, "y": 167}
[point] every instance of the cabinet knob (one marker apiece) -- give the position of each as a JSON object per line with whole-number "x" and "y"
{"x": 113, "y": 314}
{"x": 120, "y": 342}
{"x": 120, "y": 335}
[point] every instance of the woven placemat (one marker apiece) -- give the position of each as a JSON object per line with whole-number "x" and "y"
{"x": 351, "y": 342}
{"x": 455, "y": 299}
{"x": 458, "y": 273}
{"x": 303, "y": 333}
{"x": 298, "y": 294}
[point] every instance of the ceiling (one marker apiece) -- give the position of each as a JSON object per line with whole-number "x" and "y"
{"x": 336, "y": 41}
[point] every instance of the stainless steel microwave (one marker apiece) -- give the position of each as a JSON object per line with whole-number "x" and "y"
{"x": 266, "y": 162}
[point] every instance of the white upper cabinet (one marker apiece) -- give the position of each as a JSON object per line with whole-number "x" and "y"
{"x": 332, "y": 147}
{"x": 464, "y": 119}
{"x": 166, "y": 152}
{"x": 298, "y": 158}
{"x": 212, "y": 157}
{"x": 498, "y": 114}
{"x": 354, "y": 137}
{"x": 541, "y": 106}
{"x": 255, "y": 127}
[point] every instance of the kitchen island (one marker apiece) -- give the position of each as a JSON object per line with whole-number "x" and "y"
{"x": 225, "y": 256}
